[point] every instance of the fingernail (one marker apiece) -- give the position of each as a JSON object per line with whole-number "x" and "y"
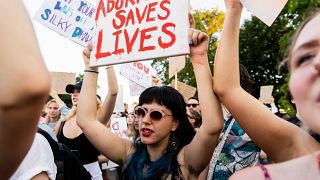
{"x": 190, "y": 42}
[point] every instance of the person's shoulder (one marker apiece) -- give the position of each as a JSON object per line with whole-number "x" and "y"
{"x": 248, "y": 173}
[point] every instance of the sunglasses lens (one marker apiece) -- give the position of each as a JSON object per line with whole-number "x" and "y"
{"x": 156, "y": 115}
{"x": 140, "y": 112}
{"x": 193, "y": 105}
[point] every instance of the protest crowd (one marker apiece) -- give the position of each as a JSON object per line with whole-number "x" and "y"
{"x": 220, "y": 132}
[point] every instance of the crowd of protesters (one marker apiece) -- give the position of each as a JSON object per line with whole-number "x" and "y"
{"x": 223, "y": 133}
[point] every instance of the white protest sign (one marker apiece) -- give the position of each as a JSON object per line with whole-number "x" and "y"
{"x": 176, "y": 64}
{"x": 59, "y": 81}
{"x": 135, "y": 30}
{"x": 73, "y": 19}
{"x": 137, "y": 72}
{"x": 119, "y": 127}
{"x": 266, "y": 10}
{"x": 135, "y": 89}
{"x": 266, "y": 94}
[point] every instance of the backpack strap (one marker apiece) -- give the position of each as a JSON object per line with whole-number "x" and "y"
{"x": 60, "y": 129}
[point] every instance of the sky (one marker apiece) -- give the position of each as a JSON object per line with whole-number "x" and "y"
{"x": 63, "y": 55}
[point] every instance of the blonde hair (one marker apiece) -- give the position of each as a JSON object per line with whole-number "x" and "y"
{"x": 47, "y": 118}
{"x": 73, "y": 110}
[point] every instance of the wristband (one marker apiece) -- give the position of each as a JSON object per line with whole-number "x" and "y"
{"x": 91, "y": 71}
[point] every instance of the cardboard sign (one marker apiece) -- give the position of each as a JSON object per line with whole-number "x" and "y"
{"x": 186, "y": 90}
{"x": 135, "y": 30}
{"x": 119, "y": 127}
{"x": 135, "y": 89}
{"x": 137, "y": 72}
{"x": 176, "y": 64}
{"x": 266, "y": 10}
{"x": 266, "y": 94}
{"x": 73, "y": 19}
{"x": 59, "y": 81}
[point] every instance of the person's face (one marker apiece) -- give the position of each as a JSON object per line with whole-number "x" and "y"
{"x": 191, "y": 120}
{"x": 155, "y": 124}
{"x": 75, "y": 96}
{"x": 304, "y": 82}
{"x": 53, "y": 110}
{"x": 130, "y": 119}
{"x": 193, "y": 104}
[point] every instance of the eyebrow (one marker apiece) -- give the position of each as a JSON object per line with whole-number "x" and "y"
{"x": 309, "y": 44}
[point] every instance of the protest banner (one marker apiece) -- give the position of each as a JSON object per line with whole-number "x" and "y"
{"x": 73, "y": 19}
{"x": 119, "y": 127}
{"x": 135, "y": 30}
{"x": 138, "y": 72}
{"x": 266, "y": 94}
{"x": 135, "y": 89}
{"x": 176, "y": 64}
{"x": 59, "y": 81}
{"x": 184, "y": 89}
{"x": 266, "y": 10}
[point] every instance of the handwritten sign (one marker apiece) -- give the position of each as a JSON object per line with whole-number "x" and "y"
{"x": 266, "y": 94}
{"x": 184, "y": 89}
{"x": 176, "y": 64}
{"x": 135, "y": 89}
{"x": 135, "y": 30}
{"x": 59, "y": 81}
{"x": 119, "y": 127}
{"x": 266, "y": 10}
{"x": 137, "y": 72}
{"x": 73, "y": 19}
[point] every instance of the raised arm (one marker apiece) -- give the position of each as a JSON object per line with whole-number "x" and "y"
{"x": 105, "y": 112}
{"x": 110, "y": 145}
{"x": 63, "y": 108}
{"x": 25, "y": 85}
{"x": 279, "y": 139}
{"x": 207, "y": 136}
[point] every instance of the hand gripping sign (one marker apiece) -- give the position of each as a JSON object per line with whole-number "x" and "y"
{"x": 132, "y": 30}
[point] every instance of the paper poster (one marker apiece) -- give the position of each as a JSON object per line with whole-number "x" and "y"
{"x": 176, "y": 64}
{"x": 119, "y": 126}
{"x": 186, "y": 90}
{"x": 266, "y": 94}
{"x": 59, "y": 81}
{"x": 137, "y": 30}
{"x": 266, "y": 10}
{"x": 138, "y": 72}
{"x": 135, "y": 89}
{"x": 73, "y": 19}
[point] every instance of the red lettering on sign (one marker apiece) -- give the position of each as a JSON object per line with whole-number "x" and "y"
{"x": 165, "y": 9}
{"x": 99, "y": 9}
{"x": 164, "y": 29}
{"x": 144, "y": 36}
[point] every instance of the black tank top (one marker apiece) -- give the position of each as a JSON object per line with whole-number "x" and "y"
{"x": 81, "y": 146}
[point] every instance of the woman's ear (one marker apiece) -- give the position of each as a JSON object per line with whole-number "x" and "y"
{"x": 175, "y": 125}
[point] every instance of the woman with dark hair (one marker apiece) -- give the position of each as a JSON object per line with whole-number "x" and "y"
{"x": 281, "y": 140}
{"x": 168, "y": 147}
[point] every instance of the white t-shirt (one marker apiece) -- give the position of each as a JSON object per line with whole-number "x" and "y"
{"x": 38, "y": 159}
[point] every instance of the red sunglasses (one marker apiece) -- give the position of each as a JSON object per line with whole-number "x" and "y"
{"x": 156, "y": 115}
{"x": 193, "y": 105}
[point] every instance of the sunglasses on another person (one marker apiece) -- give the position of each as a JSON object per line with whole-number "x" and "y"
{"x": 156, "y": 115}
{"x": 193, "y": 105}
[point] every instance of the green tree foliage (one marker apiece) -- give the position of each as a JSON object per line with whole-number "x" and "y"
{"x": 209, "y": 21}
{"x": 262, "y": 49}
